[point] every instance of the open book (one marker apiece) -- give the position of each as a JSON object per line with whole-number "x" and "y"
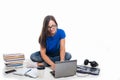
{"x": 31, "y": 72}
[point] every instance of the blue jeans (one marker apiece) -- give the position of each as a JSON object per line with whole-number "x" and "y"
{"x": 36, "y": 57}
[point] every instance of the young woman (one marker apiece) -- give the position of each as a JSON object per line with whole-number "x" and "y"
{"x": 52, "y": 44}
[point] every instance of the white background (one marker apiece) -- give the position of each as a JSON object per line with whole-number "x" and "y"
{"x": 92, "y": 28}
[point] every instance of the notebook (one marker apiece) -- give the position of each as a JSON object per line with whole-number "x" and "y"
{"x": 65, "y": 68}
{"x": 30, "y": 72}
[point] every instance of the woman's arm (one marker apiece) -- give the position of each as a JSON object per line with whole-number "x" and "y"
{"x": 62, "y": 49}
{"x": 46, "y": 58}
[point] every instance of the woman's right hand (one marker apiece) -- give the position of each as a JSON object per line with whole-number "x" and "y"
{"x": 53, "y": 67}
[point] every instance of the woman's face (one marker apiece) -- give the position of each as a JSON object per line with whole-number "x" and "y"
{"x": 52, "y": 27}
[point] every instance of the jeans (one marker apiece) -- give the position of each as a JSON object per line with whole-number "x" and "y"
{"x": 36, "y": 57}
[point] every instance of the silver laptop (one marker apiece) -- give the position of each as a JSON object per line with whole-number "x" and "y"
{"x": 65, "y": 68}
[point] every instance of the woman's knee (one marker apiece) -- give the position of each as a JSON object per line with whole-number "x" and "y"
{"x": 32, "y": 57}
{"x": 36, "y": 57}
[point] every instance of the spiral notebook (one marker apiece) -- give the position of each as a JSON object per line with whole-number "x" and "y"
{"x": 30, "y": 72}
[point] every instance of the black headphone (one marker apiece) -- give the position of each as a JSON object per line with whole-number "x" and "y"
{"x": 92, "y": 63}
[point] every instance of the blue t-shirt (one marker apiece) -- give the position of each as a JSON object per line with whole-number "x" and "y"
{"x": 53, "y": 43}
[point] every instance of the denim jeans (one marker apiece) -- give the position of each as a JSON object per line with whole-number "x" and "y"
{"x": 36, "y": 57}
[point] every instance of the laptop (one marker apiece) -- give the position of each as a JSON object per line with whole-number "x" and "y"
{"x": 65, "y": 68}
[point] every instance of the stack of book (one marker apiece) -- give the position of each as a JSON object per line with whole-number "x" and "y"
{"x": 14, "y": 59}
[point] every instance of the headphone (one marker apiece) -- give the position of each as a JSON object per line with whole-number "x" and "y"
{"x": 92, "y": 63}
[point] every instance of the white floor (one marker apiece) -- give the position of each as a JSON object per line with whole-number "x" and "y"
{"x": 45, "y": 75}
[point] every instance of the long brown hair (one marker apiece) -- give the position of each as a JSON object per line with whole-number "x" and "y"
{"x": 44, "y": 33}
